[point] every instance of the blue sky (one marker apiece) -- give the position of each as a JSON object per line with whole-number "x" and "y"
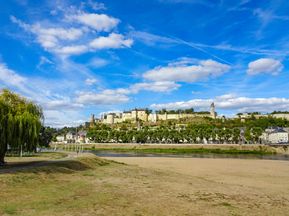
{"x": 75, "y": 58}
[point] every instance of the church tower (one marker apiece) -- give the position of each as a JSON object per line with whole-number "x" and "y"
{"x": 92, "y": 121}
{"x": 212, "y": 111}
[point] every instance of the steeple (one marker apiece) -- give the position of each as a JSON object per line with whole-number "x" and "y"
{"x": 92, "y": 120}
{"x": 212, "y": 111}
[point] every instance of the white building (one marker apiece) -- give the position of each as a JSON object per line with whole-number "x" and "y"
{"x": 281, "y": 115}
{"x": 275, "y": 136}
{"x": 70, "y": 137}
{"x": 82, "y": 137}
{"x": 146, "y": 116}
{"x": 60, "y": 138}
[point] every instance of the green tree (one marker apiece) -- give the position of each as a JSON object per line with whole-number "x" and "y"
{"x": 46, "y": 136}
{"x": 236, "y": 135}
{"x": 20, "y": 123}
{"x": 256, "y": 133}
{"x": 248, "y": 135}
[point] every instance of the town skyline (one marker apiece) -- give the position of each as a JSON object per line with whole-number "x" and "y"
{"x": 76, "y": 58}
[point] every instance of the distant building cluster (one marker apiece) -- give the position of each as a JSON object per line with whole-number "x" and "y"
{"x": 245, "y": 116}
{"x": 275, "y": 135}
{"x": 146, "y": 116}
{"x": 72, "y": 137}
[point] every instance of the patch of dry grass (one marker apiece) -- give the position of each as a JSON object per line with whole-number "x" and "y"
{"x": 93, "y": 186}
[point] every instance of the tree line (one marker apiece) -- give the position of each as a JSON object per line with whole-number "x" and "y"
{"x": 195, "y": 134}
{"x": 208, "y": 131}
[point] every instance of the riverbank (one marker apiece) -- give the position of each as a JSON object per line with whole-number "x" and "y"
{"x": 87, "y": 185}
{"x": 177, "y": 148}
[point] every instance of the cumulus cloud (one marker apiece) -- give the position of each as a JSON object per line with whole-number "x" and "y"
{"x": 187, "y": 72}
{"x": 265, "y": 65}
{"x": 62, "y": 118}
{"x": 99, "y": 22}
{"x": 231, "y": 102}
{"x": 112, "y": 41}
{"x": 80, "y": 36}
{"x": 49, "y": 37}
{"x": 162, "y": 86}
{"x": 102, "y": 98}
{"x": 121, "y": 95}
{"x": 165, "y": 86}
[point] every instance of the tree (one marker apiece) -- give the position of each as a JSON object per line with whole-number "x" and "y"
{"x": 46, "y": 136}
{"x": 20, "y": 123}
{"x": 247, "y": 135}
{"x": 256, "y": 132}
{"x": 236, "y": 135}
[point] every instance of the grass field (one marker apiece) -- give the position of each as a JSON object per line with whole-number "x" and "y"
{"x": 92, "y": 186}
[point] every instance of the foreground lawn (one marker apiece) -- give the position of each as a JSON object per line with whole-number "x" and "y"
{"x": 92, "y": 186}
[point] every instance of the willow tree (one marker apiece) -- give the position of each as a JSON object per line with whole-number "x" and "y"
{"x": 20, "y": 123}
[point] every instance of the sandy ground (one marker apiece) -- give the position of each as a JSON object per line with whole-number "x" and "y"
{"x": 268, "y": 175}
{"x": 88, "y": 185}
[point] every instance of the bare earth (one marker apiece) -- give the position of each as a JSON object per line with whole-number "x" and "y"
{"x": 87, "y": 185}
{"x": 256, "y": 187}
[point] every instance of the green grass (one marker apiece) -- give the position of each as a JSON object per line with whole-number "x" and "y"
{"x": 188, "y": 151}
{"x": 50, "y": 155}
{"x": 10, "y": 209}
{"x": 54, "y": 189}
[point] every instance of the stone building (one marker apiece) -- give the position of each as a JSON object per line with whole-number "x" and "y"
{"x": 212, "y": 111}
{"x": 275, "y": 136}
{"x": 145, "y": 116}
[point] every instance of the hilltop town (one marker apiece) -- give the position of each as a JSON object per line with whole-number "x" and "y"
{"x": 146, "y": 115}
{"x": 181, "y": 126}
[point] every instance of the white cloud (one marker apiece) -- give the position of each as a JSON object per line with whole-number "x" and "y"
{"x": 82, "y": 35}
{"x": 99, "y": 22}
{"x": 165, "y": 86}
{"x": 102, "y": 98}
{"x": 49, "y": 37}
{"x": 72, "y": 50}
{"x": 96, "y": 5}
{"x": 59, "y": 119}
{"x": 162, "y": 86}
{"x": 112, "y": 41}
{"x": 59, "y": 104}
{"x": 10, "y": 77}
{"x": 232, "y": 103}
{"x": 120, "y": 95}
{"x": 90, "y": 81}
{"x": 265, "y": 65}
{"x": 187, "y": 73}
{"x": 13, "y": 80}
{"x": 50, "y": 102}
